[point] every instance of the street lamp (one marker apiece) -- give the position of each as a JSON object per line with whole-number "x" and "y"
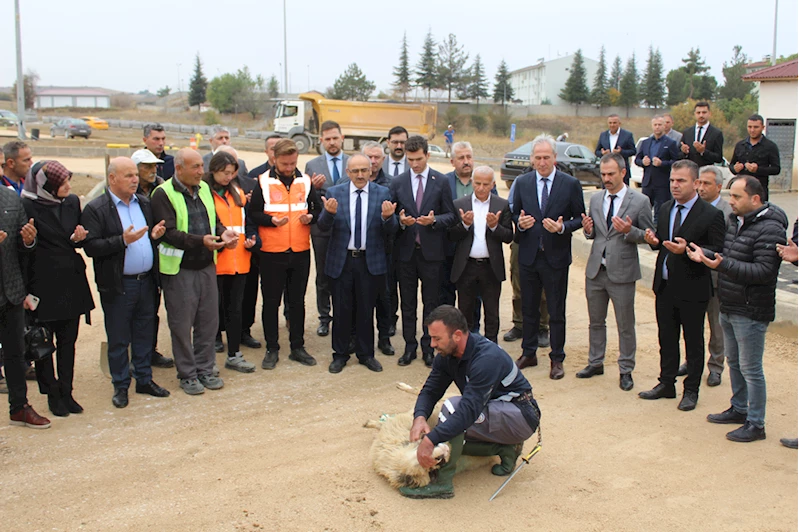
{"x": 20, "y": 78}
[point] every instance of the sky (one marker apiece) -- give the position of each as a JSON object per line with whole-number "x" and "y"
{"x": 132, "y": 46}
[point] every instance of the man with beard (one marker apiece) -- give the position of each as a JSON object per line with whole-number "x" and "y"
{"x": 396, "y": 163}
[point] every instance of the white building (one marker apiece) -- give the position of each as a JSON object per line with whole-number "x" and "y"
{"x": 89, "y": 98}
{"x": 543, "y": 81}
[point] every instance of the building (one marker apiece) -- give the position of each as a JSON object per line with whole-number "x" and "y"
{"x": 777, "y": 104}
{"x": 541, "y": 83}
{"x": 85, "y": 97}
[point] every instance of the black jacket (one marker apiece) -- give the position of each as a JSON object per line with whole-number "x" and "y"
{"x": 13, "y": 252}
{"x": 765, "y": 153}
{"x": 748, "y": 273}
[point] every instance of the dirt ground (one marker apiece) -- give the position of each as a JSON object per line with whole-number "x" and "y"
{"x": 285, "y": 450}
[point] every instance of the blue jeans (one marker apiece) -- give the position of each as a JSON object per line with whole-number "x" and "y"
{"x": 743, "y": 346}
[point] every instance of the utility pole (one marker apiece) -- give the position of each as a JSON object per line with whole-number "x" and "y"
{"x": 20, "y": 79}
{"x": 285, "y": 50}
{"x": 774, "y": 45}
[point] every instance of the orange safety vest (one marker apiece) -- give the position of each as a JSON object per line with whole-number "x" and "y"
{"x": 237, "y": 260}
{"x": 280, "y": 202}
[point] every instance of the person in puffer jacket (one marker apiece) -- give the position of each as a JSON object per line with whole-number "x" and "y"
{"x": 748, "y": 269}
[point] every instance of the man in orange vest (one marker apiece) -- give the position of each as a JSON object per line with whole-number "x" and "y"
{"x": 284, "y": 205}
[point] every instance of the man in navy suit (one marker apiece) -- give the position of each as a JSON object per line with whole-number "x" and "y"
{"x": 655, "y": 156}
{"x": 616, "y": 140}
{"x": 424, "y": 202}
{"x": 360, "y": 216}
{"x": 547, "y": 208}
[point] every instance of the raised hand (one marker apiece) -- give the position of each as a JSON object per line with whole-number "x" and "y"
{"x": 230, "y": 238}
{"x": 553, "y": 226}
{"x": 79, "y": 234}
{"x": 130, "y": 236}
{"x": 407, "y": 221}
{"x": 788, "y": 252}
{"x": 676, "y": 246}
{"x": 28, "y": 233}
{"x": 525, "y": 221}
{"x": 651, "y": 238}
{"x": 466, "y": 217}
{"x": 646, "y": 160}
{"x": 307, "y": 218}
{"x": 318, "y": 180}
{"x": 588, "y": 223}
{"x": 250, "y": 242}
{"x": 387, "y": 209}
{"x": 3, "y": 236}
{"x": 700, "y": 146}
{"x": 622, "y": 226}
{"x": 331, "y": 205}
{"x": 492, "y": 219}
{"x": 158, "y": 231}
{"x": 212, "y": 242}
{"x": 279, "y": 222}
{"x": 684, "y": 148}
{"x": 656, "y": 161}
{"x": 427, "y": 219}
{"x": 752, "y": 167}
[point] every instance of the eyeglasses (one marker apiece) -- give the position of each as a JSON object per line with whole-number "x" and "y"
{"x": 397, "y": 142}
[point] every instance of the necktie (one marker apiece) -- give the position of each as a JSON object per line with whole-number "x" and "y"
{"x": 336, "y": 174}
{"x": 358, "y": 220}
{"x": 396, "y": 168}
{"x": 699, "y": 134}
{"x": 544, "y": 195}
{"x": 419, "y": 197}
{"x": 677, "y": 222}
{"x": 610, "y": 212}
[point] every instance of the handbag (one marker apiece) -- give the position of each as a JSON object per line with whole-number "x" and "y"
{"x": 38, "y": 340}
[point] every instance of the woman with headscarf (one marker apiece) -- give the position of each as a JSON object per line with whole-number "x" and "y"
{"x": 57, "y": 276}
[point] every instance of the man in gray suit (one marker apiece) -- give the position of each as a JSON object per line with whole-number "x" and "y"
{"x": 220, "y": 136}
{"x": 708, "y": 186}
{"x": 325, "y": 171}
{"x": 617, "y": 221}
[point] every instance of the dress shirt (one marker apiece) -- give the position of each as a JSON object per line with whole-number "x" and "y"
{"x": 715, "y": 202}
{"x": 540, "y": 185}
{"x": 415, "y": 182}
{"x": 672, "y": 215}
{"x": 329, "y": 159}
{"x": 364, "y": 210}
{"x": 613, "y": 139}
{"x": 704, "y": 131}
{"x": 139, "y": 254}
{"x": 392, "y": 164}
{"x": 479, "y": 247}
{"x": 462, "y": 190}
{"x": 654, "y": 145}
{"x": 616, "y": 204}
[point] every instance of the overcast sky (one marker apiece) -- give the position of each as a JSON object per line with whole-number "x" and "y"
{"x": 132, "y": 46}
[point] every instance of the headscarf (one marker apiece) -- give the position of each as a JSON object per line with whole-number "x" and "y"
{"x": 47, "y": 178}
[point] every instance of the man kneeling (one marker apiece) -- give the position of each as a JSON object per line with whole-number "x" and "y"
{"x": 495, "y": 414}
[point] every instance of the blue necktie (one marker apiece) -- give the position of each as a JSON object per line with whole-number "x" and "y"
{"x": 544, "y": 195}
{"x": 336, "y": 174}
{"x": 358, "y": 220}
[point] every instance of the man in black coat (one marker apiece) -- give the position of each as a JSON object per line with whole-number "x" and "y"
{"x": 702, "y": 143}
{"x": 756, "y": 155}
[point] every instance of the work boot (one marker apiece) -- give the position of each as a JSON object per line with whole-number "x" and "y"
{"x": 442, "y": 487}
{"x": 508, "y": 454}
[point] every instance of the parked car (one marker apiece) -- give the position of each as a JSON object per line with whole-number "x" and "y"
{"x": 70, "y": 128}
{"x": 573, "y": 159}
{"x": 95, "y": 122}
{"x": 436, "y": 151}
{"x": 8, "y": 119}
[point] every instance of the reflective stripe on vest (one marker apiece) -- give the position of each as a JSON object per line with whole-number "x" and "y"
{"x": 170, "y": 257}
{"x": 282, "y": 202}
{"x": 237, "y": 260}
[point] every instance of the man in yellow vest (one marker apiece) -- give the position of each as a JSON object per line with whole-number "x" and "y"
{"x": 284, "y": 205}
{"x": 187, "y": 257}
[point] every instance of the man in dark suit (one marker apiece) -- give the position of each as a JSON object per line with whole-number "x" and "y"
{"x": 460, "y": 184}
{"x": 325, "y": 171}
{"x": 424, "y": 202}
{"x": 616, "y": 140}
{"x": 656, "y": 155}
{"x": 478, "y": 268}
{"x": 547, "y": 207}
{"x": 702, "y": 143}
{"x": 682, "y": 287}
{"x": 360, "y": 217}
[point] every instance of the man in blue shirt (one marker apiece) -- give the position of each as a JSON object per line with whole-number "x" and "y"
{"x": 449, "y": 136}
{"x": 19, "y": 159}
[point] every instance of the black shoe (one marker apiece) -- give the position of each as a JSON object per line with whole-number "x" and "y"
{"x": 323, "y": 329}
{"x": 301, "y": 355}
{"x": 790, "y": 443}
{"x": 714, "y": 379}
{"x": 351, "y": 346}
{"x": 747, "y": 433}
{"x": 626, "y": 382}
{"x": 337, "y": 365}
{"x": 728, "y": 417}
{"x": 160, "y": 361}
{"x": 57, "y": 406}
{"x": 688, "y": 401}
{"x": 372, "y": 364}
{"x": 249, "y": 341}
{"x": 682, "y": 371}
{"x": 219, "y": 346}
{"x": 151, "y": 388}
{"x": 120, "y": 399}
{"x": 543, "y": 338}
{"x": 385, "y": 347}
{"x": 590, "y": 371}
{"x": 392, "y": 330}
{"x": 428, "y": 359}
{"x": 406, "y": 358}
{"x": 72, "y": 405}
{"x": 512, "y": 335}
{"x": 658, "y": 392}
{"x": 270, "y": 359}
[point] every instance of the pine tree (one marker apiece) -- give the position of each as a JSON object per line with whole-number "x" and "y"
{"x": 734, "y": 87}
{"x": 503, "y": 92}
{"x": 402, "y": 72}
{"x": 451, "y": 66}
{"x": 576, "y": 89}
{"x": 273, "y": 87}
{"x": 198, "y": 84}
{"x": 629, "y": 84}
{"x": 652, "y": 89}
{"x": 599, "y": 93}
{"x": 614, "y": 81}
{"x": 426, "y": 67}
{"x": 694, "y": 67}
{"x": 478, "y": 83}
{"x": 352, "y": 85}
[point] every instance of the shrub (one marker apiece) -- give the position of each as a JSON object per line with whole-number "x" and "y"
{"x": 500, "y": 122}
{"x": 211, "y": 118}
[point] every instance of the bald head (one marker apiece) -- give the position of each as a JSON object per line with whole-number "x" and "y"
{"x": 483, "y": 182}
{"x": 359, "y": 170}
{"x": 188, "y": 167}
{"x": 229, "y": 149}
{"x": 123, "y": 178}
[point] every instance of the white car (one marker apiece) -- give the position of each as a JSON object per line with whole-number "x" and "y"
{"x": 436, "y": 151}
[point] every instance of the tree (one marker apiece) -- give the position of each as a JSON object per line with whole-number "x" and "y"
{"x": 273, "y": 87}
{"x": 231, "y": 93}
{"x": 690, "y": 81}
{"x": 478, "y": 83}
{"x": 164, "y": 91}
{"x": 576, "y": 89}
{"x": 783, "y": 59}
{"x": 614, "y": 81}
{"x": 629, "y": 84}
{"x": 352, "y": 85}
{"x": 451, "y": 66}
{"x": 426, "y": 77}
{"x": 734, "y": 87}
{"x": 198, "y": 84}
{"x": 29, "y": 82}
{"x": 599, "y": 93}
{"x": 652, "y": 89}
{"x": 503, "y": 92}
{"x": 402, "y": 72}
{"x": 694, "y": 67}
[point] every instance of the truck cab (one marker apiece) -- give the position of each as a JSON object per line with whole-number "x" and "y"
{"x": 296, "y": 119}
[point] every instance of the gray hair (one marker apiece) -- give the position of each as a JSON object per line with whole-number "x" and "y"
{"x": 219, "y": 129}
{"x": 370, "y": 144}
{"x": 462, "y": 145}
{"x": 179, "y": 159}
{"x": 715, "y": 170}
{"x": 543, "y": 138}
{"x": 484, "y": 170}
{"x": 149, "y": 128}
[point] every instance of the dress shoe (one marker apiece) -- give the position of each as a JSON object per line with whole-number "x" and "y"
{"x": 688, "y": 401}
{"x": 512, "y": 335}
{"x": 406, "y": 358}
{"x": 219, "y": 345}
{"x": 372, "y": 364}
{"x": 57, "y": 406}
{"x": 790, "y": 443}
{"x": 392, "y": 330}
{"x": 351, "y": 346}
{"x": 120, "y": 399}
{"x": 747, "y": 433}
{"x": 27, "y": 417}
{"x": 659, "y": 392}
{"x": 556, "y": 370}
{"x": 527, "y": 361}
{"x": 626, "y": 382}
{"x": 323, "y": 329}
{"x": 160, "y": 361}
{"x": 72, "y": 404}
{"x": 682, "y": 371}
{"x": 151, "y": 388}
{"x": 714, "y": 379}
{"x": 301, "y": 355}
{"x": 337, "y": 365}
{"x": 385, "y": 347}
{"x": 589, "y": 371}
{"x": 728, "y": 417}
{"x": 428, "y": 358}
{"x": 270, "y": 359}
{"x": 248, "y": 341}
{"x": 543, "y": 338}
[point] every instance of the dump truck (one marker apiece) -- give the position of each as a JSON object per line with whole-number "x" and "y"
{"x": 300, "y": 120}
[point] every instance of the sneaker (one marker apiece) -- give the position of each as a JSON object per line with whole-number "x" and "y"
{"x": 192, "y": 386}
{"x": 270, "y": 359}
{"x": 215, "y": 371}
{"x": 27, "y": 417}
{"x": 219, "y": 345}
{"x": 238, "y": 363}
{"x": 210, "y": 382}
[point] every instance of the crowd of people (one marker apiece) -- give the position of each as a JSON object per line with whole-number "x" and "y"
{"x": 199, "y": 231}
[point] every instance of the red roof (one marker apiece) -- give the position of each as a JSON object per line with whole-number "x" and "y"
{"x": 782, "y": 71}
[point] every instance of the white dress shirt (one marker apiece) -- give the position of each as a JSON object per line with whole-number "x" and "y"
{"x": 400, "y": 165}
{"x": 704, "y": 132}
{"x": 415, "y": 182}
{"x": 479, "y": 247}
{"x": 364, "y": 209}
{"x": 613, "y": 139}
{"x": 540, "y": 184}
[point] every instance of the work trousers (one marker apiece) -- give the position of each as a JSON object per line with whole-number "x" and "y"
{"x": 231, "y": 294}
{"x": 285, "y": 272}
